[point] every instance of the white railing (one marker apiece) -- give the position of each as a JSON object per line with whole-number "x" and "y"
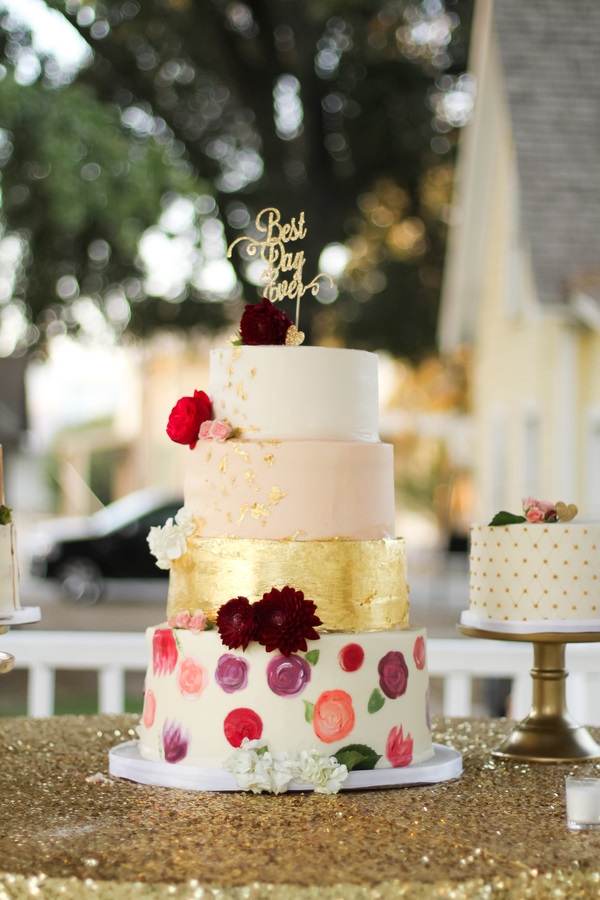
{"x": 458, "y": 663}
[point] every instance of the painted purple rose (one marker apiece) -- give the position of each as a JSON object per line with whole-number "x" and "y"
{"x": 231, "y": 673}
{"x": 393, "y": 674}
{"x": 287, "y": 676}
{"x": 175, "y": 742}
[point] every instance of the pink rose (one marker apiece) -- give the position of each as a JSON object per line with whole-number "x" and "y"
{"x": 204, "y": 433}
{"x": 191, "y": 678}
{"x": 539, "y": 510}
{"x": 197, "y": 621}
{"x": 219, "y": 430}
{"x": 534, "y": 514}
{"x": 149, "y": 708}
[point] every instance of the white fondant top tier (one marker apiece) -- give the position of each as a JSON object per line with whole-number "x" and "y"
{"x": 296, "y": 393}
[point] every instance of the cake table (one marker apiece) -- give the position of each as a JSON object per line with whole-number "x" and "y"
{"x": 548, "y": 733}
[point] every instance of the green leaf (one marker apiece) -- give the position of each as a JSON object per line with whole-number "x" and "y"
{"x": 506, "y": 518}
{"x": 5, "y": 515}
{"x": 309, "y": 710}
{"x": 376, "y": 701}
{"x": 357, "y": 756}
{"x": 312, "y": 657}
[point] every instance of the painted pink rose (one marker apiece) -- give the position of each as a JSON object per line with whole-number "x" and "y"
{"x": 241, "y": 723}
{"x": 164, "y": 651}
{"x": 149, "y": 709}
{"x": 192, "y": 678}
{"x": 287, "y": 676}
{"x": 231, "y": 673}
{"x": 399, "y": 749}
{"x": 419, "y": 652}
{"x": 351, "y": 657}
{"x": 175, "y": 742}
{"x": 393, "y": 674}
{"x": 333, "y": 716}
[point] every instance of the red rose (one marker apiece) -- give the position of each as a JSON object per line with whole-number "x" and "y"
{"x": 164, "y": 651}
{"x": 263, "y": 323}
{"x": 393, "y": 674}
{"x": 187, "y": 416}
{"x": 242, "y": 723}
{"x": 285, "y": 621}
{"x": 236, "y": 623}
{"x": 351, "y": 657}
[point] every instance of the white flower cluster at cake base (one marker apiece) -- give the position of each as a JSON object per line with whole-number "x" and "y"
{"x": 257, "y": 770}
{"x": 168, "y": 542}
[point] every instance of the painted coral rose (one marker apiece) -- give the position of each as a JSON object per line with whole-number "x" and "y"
{"x": 192, "y": 678}
{"x": 164, "y": 651}
{"x": 287, "y": 676}
{"x": 393, "y": 674}
{"x": 399, "y": 749}
{"x": 419, "y": 652}
{"x": 333, "y": 716}
{"x": 242, "y": 723}
{"x": 231, "y": 673}
{"x": 149, "y": 709}
{"x": 187, "y": 416}
{"x": 351, "y": 657}
{"x": 176, "y": 742}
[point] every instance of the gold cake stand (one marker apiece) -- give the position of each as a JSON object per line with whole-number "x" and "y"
{"x": 548, "y": 733}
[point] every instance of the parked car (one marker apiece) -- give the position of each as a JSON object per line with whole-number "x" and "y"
{"x": 81, "y": 554}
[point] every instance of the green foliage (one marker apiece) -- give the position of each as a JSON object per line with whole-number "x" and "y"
{"x": 5, "y": 515}
{"x": 312, "y": 657}
{"x": 376, "y": 701}
{"x": 507, "y": 518}
{"x": 357, "y": 757}
{"x": 320, "y": 106}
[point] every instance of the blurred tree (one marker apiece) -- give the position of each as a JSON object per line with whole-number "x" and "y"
{"x": 124, "y": 180}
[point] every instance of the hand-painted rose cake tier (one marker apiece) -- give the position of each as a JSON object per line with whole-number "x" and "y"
{"x": 202, "y": 700}
{"x": 286, "y": 548}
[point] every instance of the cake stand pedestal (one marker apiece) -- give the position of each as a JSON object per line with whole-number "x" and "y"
{"x": 548, "y": 733}
{"x": 7, "y": 660}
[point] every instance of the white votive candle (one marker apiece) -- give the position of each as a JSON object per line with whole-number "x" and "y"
{"x": 583, "y": 802}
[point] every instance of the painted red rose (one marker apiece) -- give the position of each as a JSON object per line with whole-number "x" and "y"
{"x": 393, "y": 674}
{"x": 187, "y": 416}
{"x": 399, "y": 749}
{"x": 351, "y": 657}
{"x": 242, "y": 723}
{"x": 419, "y": 652}
{"x": 164, "y": 651}
{"x": 263, "y": 323}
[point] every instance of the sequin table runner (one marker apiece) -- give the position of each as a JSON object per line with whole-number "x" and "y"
{"x": 69, "y": 830}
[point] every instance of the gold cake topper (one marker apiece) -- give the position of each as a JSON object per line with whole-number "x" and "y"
{"x": 278, "y": 260}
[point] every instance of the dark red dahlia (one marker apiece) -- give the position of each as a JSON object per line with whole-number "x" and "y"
{"x": 285, "y": 621}
{"x": 263, "y": 323}
{"x": 236, "y": 623}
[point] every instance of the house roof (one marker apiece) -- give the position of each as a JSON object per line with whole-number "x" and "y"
{"x": 550, "y": 53}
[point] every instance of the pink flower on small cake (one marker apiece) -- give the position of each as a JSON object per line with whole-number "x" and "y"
{"x": 333, "y": 717}
{"x": 192, "y": 678}
{"x": 164, "y": 651}
{"x": 393, "y": 674}
{"x": 149, "y": 709}
{"x": 287, "y": 676}
{"x": 189, "y": 622}
{"x": 351, "y": 657}
{"x": 175, "y": 742}
{"x": 231, "y": 673}
{"x": 187, "y": 416}
{"x": 399, "y": 749}
{"x": 214, "y": 430}
{"x": 419, "y": 652}
{"x": 242, "y": 723}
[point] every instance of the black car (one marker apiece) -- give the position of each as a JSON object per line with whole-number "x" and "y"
{"x": 82, "y": 553}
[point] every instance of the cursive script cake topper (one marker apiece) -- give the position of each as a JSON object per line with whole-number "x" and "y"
{"x": 270, "y": 245}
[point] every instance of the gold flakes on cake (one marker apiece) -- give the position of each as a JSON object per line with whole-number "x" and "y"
{"x": 252, "y": 373}
{"x": 223, "y": 465}
{"x": 239, "y": 451}
{"x": 240, "y": 391}
{"x": 249, "y": 476}
{"x": 236, "y": 353}
{"x": 276, "y": 495}
{"x": 270, "y": 460}
{"x": 259, "y": 511}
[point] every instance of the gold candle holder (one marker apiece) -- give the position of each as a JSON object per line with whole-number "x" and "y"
{"x": 548, "y": 733}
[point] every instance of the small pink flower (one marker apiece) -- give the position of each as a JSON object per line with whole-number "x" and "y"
{"x": 149, "y": 709}
{"x": 219, "y": 430}
{"x": 197, "y": 621}
{"x": 534, "y": 514}
{"x": 181, "y": 620}
{"x": 399, "y": 749}
{"x": 204, "y": 434}
{"x": 192, "y": 678}
{"x": 539, "y": 510}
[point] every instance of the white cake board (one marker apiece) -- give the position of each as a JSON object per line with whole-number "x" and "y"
{"x": 533, "y": 626}
{"x": 125, "y": 761}
{"x": 24, "y": 616}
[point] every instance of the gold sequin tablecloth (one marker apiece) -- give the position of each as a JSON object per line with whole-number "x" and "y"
{"x": 68, "y": 830}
